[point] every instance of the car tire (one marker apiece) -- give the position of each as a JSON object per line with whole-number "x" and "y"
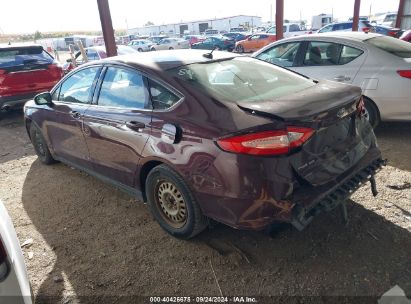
{"x": 371, "y": 112}
{"x": 140, "y": 50}
{"x": 40, "y": 145}
{"x": 153, "y": 49}
{"x": 217, "y": 48}
{"x": 171, "y": 48}
{"x": 172, "y": 203}
{"x": 240, "y": 48}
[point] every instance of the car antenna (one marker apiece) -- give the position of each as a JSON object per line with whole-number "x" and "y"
{"x": 209, "y": 55}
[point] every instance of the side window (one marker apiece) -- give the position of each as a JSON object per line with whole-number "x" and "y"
{"x": 92, "y": 55}
{"x": 282, "y": 55}
{"x": 161, "y": 97}
{"x": 322, "y": 53}
{"x": 255, "y": 37}
{"x": 348, "y": 54}
{"x": 77, "y": 87}
{"x": 122, "y": 88}
{"x": 326, "y": 29}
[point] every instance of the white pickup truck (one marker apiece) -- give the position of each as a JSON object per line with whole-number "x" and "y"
{"x": 290, "y": 30}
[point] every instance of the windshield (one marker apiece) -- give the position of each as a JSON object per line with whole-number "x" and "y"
{"x": 391, "y": 45}
{"x": 242, "y": 79}
{"x": 10, "y": 57}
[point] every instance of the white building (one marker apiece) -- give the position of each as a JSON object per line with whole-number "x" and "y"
{"x": 198, "y": 27}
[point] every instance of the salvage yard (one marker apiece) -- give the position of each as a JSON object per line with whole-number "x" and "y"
{"x": 91, "y": 240}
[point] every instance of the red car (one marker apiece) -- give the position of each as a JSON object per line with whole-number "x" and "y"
{"x": 194, "y": 38}
{"x": 406, "y": 36}
{"x": 25, "y": 70}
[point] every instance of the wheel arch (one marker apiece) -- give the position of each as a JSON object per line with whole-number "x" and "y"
{"x": 375, "y": 106}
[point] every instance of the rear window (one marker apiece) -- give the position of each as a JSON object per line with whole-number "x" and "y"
{"x": 391, "y": 45}
{"x": 242, "y": 79}
{"x": 10, "y": 57}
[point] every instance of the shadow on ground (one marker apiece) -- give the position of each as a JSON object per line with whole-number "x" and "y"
{"x": 108, "y": 245}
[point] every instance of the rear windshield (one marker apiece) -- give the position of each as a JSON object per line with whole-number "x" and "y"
{"x": 391, "y": 45}
{"x": 10, "y": 57}
{"x": 242, "y": 79}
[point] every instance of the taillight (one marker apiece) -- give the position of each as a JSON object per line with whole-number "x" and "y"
{"x": 56, "y": 70}
{"x": 392, "y": 33}
{"x": 404, "y": 73}
{"x": 267, "y": 142}
{"x": 360, "y": 107}
{"x": 366, "y": 29}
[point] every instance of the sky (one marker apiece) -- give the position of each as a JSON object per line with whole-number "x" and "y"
{"x": 27, "y": 16}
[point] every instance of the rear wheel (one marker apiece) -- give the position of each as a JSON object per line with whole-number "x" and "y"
{"x": 40, "y": 145}
{"x": 371, "y": 112}
{"x": 153, "y": 49}
{"x": 240, "y": 48}
{"x": 171, "y": 48}
{"x": 172, "y": 203}
{"x": 140, "y": 50}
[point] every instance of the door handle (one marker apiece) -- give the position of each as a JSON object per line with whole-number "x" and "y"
{"x": 75, "y": 114}
{"x": 342, "y": 78}
{"x": 135, "y": 125}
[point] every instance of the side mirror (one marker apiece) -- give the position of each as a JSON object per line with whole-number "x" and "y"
{"x": 68, "y": 60}
{"x": 43, "y": 99}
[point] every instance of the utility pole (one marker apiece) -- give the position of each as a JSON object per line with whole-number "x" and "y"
{"x": 107, "y": 27}
{"x": 356, "y": 15}
{"x": 279, "y": 19}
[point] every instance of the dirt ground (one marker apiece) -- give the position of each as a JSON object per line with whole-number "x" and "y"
{"x": 95, "y": 244}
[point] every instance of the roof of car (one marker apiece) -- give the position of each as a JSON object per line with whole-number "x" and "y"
{"x": 359, "y": 36}
{"x": 18, "y": 45}
{"x": 168, "y": 59}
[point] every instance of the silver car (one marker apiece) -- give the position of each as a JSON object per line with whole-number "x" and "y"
{"x": 171, "y": 44}
{"x": 14, "y": 282}
{"x": 380, "y": 65}
{"x": 141, "y": 45}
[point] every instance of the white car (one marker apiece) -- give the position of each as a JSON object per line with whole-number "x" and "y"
{"x": 141, "y": 45}
{"x": 363, "y": 26}
{"x": 14, "y": 282}
{"x": 380, "y": 65}
{"x": 290, "y": 30}
{"x": 171, "y": 44}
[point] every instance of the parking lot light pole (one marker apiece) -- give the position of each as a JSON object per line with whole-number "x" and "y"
{"x": 356, "y": 15}
{"x": 279, "y": 19}
{"x": 107, "y": 27}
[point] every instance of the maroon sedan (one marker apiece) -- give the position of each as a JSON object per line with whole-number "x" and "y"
{"x": 209, "y": 135}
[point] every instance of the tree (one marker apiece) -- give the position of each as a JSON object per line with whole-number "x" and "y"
{"x": 37, "y": 35}
{"x": 148, "y": 23}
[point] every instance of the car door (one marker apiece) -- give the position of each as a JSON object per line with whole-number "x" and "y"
{"x": 117, "y": 124}
{"x": 252, "y": 43}
{"x": 330, "y": 60}
{"x": 64, "y": 128}
{"x": 283, "y": 54}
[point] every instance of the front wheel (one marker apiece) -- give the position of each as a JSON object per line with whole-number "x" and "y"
{"x": 172, "y": 203}
{"x": 171, "y": 48}
{"x": 40, "y": 145}
{"x": 140, "y": 50}
{"x": 240, "y": 49}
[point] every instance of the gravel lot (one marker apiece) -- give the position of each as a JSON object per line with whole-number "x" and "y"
{"x": 94, "y": 244}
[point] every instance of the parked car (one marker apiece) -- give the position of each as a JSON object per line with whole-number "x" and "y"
{"x": 96, "y": 53}
{"x": 238, "y": 30}
{"x": 363, "y": 26}
{"x": 171, "y": 44}
{"x": 406, "y": 36}
{"x": 215, "y": 42}
{"x": 141, "y": 45}
{"x": 380, "y": 65}
{"x": 387, "y": 19}
{"x": 254, "y": 42}
{"x": 194, "y": 38}
{"x": 289, "y": 30}
{"x": 14, "y": 281}
{"x": 236, "y": 36}
{"x": 25, "y": 70}
{"x": 388, "y": 31}
{"x": 157, "y": 39}
{"x": 200, "y": 135}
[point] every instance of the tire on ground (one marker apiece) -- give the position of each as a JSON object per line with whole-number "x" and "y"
{"x": 195, "y": 222}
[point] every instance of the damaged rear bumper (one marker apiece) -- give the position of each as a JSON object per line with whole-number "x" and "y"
{"x": 336, "y": 196}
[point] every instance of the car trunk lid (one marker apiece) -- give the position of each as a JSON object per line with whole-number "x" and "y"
{"x": 341, "y": 137}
